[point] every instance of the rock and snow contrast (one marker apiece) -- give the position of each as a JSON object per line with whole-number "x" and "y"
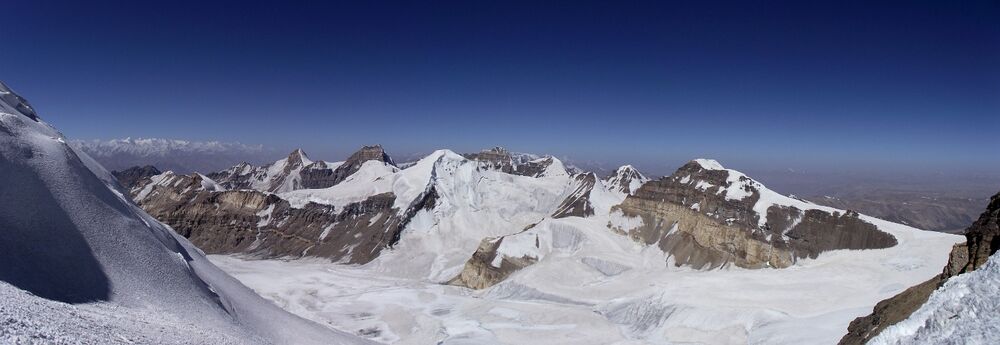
{"x": 957, "y": 306}
{"x": 492, "y": 247}
{"x": 489, "y": 247}
{"x": 81, "y": 264}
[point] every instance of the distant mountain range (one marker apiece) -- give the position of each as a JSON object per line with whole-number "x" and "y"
{"x": 171, "y": 154}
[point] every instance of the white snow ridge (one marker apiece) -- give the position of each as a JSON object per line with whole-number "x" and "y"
{"x": 81, "y": 264}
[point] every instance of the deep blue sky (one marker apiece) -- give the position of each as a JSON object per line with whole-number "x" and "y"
{"x": 802, "y": 85}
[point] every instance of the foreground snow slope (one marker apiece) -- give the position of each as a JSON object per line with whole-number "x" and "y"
{"x": 69, "y": 235}
{"x": 965, "y": 310}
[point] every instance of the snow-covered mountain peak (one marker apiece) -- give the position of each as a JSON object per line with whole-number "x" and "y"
{"x": 298, "y": 157}
{"x": 295, "y": 160}
{"x": 709, "y": 164}
{"x": 626, "y": 179}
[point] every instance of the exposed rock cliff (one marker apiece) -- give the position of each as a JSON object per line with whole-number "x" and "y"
{"x": 498, "y": 158}
{"x": 577, "y": 204}
{"x": 707, "y": 216}
{"x": 488, "y": 267}
{"x": 352, "y": 165}
{"x": 981, "y": 242}
{"x": 253, "y": 222}
{"x": 130, "y": 177}
{"x": 626, "y": 179}
{"x": 281, "y": 176}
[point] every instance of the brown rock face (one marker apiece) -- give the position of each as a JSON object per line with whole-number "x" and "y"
{"x": 578, "y": 202}
{"x": 690, "y": 216}
{"x": 500, "y": 159}
{"x": 479, "y": 272}
{"x": 984, "y": 235}
{"x": 353, "y": 163}
{"x": 261, "y": 224}
{"x": 130, "y": 177}
{"x": 534, "y": 168}
{"x": 318, "y": 175}
{"x": 496, "y": 158}
{"x": 246, "y": 176}
{"x": 295, "y": 173}
{"x": 981, "y": 242}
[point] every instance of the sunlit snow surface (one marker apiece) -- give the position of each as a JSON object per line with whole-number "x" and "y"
{"x": 596, "y": 287}
{"x": 69, "y": 234}
{"x": 966, "y": 310}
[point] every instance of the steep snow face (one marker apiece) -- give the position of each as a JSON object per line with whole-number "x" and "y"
{"x": 70, "y": 235}
{"x": 626, "y": 179}
{"x": 965, "y": 310}
{"x": 471, "y": 204}
{"x": 372, "y": 178}
{"x": 284, "y": 175}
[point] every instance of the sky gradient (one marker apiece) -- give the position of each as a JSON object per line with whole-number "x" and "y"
{"x": 854, "y": 86}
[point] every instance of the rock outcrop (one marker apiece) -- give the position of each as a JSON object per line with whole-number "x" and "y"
{"x": 626, "y": 179}
{"x": 983, "y": 237}
{"x": 353, "y": 164}
{"x": 280, "y": 176}
{"x": 12, "y": 99}
{"x": 703, "y": 216}
{"x": 577, "y": 204}
{"x": 297, "y": 171}
{"x": 706, "y": 216}
{"x": 320, "y": 174}
{"x": 131, "y": 177}
{"x": 498, "y": 158}
{"x": 488, "y": 267}
{"x": 221, "y": 221}
{"x": 981, "y": 242}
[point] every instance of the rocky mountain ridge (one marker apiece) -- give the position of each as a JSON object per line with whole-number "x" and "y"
{"x": 703, "y": 216}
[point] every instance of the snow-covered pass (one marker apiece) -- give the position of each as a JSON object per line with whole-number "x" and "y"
{"x": 80, "y": 263}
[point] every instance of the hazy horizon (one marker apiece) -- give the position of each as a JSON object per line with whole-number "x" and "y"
{"x": 785, "y": 179}
{"x": 853, "y": 87}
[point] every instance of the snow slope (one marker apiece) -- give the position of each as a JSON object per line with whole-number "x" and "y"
{"x": 474, "y": 203}
{"x": 965, "y": 310}
{"x": 70, "y": 236}
{"x": 590, "y": 285}
{"x": 596, "y": 287}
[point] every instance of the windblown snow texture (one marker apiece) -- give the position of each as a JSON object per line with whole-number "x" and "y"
{"x": 966, "y": 310}
{"x": 69, "y": 235}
